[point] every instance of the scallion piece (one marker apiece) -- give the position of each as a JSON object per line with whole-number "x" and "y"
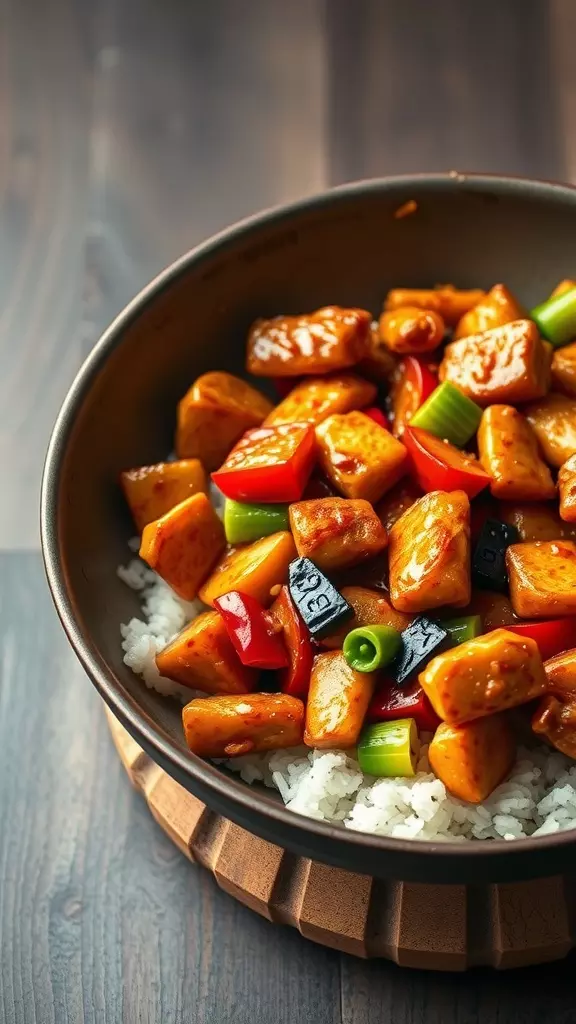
{"x": 449, "y": 414}
{"x": 244, "y": 523}
{"x": 465, "y": 628}
{"x": 556, "y": 318}
{"x": 389, "y": 749}
{"x": 369, "y": 648}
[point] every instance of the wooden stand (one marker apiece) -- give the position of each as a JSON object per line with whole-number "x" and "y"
{"x": 438, "y": 927}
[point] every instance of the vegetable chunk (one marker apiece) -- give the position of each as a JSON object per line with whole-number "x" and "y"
{"x": 509, "y": 452}
{"x": 183, "y": 545}
{"x": 214, "y": 413}
{"x": 554, "y": 423}
{"x": 331, "y": 338}
{"x": 495, "y": 309}
{"x": 231, "y": 726}
{"x": 202, "y": 657}
{"x": 314, "y": 399}
{"x": 371, "y": 607}
{"x": 472, "y": 759}
{"x": 567, "y": 488}
{"x": 542, "y": 578}
{"x": 253, "y": 569}
{"x": 491, "y": 673}
{"x": 338, "y": 699}
{"x": 507, "y": 364}
{"x": 336, "y": 532}
{"x": 449, "y": 302}
{"x": 429, "y": 553}
{"x": 411, "y": 329}
{"x": 564, "y": 369}
{"x": 361, "y": 458}
{"x": 151, "y": 491}
{"x": 269, "y": 464}
{"x": 412, "y": 383}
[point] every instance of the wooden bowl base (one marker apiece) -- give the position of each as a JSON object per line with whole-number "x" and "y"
{"x": 437, "y": 927}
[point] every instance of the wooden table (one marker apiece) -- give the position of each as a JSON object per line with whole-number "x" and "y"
{"x": 129, "y": 130}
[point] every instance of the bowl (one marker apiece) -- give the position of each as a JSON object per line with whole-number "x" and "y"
{"x": 345, "y": 246}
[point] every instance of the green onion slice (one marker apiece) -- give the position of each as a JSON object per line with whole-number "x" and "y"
{"x": 369, "y": 648}
{"x": 389, "y": 749}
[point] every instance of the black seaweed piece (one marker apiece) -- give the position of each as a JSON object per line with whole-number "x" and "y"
{"x": 489, "y": 558}
{"x": 322, "y": 608}
{"x": 420, "y": 641}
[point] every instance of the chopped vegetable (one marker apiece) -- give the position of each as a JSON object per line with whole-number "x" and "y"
{"x": 183, "y": 545}
{"x": 429, "y": 553}
{"x": 451, "y": 303}
{"x": 232, "y": 726}
{"x": 336, "y": 532}
{"x": 567, "y": 488}
{"x": 448, "y": 414}
{"x": 337, "y": 702}
{"x": 412, "y": 383}
{"x": 389, "y": 749}
{"x": 472, "y": 759}
{"x": 556, "y": 318}
{"x": 420, "y": 640}
{"x": 295, "y": 679}
{"x": 368, "y": 648}
{"x": 564, "y": 369}
{"x": 465, "y": 628}
{"x": 411, "y": 329}
{"x": 496, "y": 308}
{"x": 489, "y": 557}
{"x": 151, "y": 491}
{"x": 360, "y": 458}
{"x": 244, "y": 523}
{"x": 271, "y": 464}
{"x": 491, "y": 673}
{"x": 543, "y": 578}
{"x": 552, "y": 636}
{"x": 316, "y": 398}
{"x": 507, "y": 364}
{"x": 249, "y": 631}
{"x": 254, "y": 569}
{"x": 553, "y": 420}
{"x": 397, "y": 501}
{"x": 332, "y": 338}
{"x": 370, "y": 606}
{"x": 378, "y": 416}
{"x": 391, "y": 702}
{"x": 509, "y": 452}
{"x": 214, "y": 413}
{"x": 439, "y": 465}
{"x": 535, "y": 520}
{"x": 322, "y": 608}
{"x": 203, "y": 658}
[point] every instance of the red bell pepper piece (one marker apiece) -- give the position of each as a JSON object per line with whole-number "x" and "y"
{"x": 270, "y": 464}
{"x": 378, "y": 416}
{"x": 295, "y": 679}
{"x": 413, "y": 382}
{"x": 249, "y": 630}
{"x": 391, "y": 701}
{"x": 552, "y": 635}
{"x": 440, "y": 466}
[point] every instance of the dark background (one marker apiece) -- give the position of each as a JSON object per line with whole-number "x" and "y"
{"x": 130, "y": 130}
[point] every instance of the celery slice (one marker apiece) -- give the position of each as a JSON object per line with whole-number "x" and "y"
{"x": 449, "y": 414}
{"x": 556, "y": 318}
{"x": 389, "y": 749}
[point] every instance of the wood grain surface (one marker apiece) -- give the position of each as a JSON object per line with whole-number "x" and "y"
{"x": 129, "y": 129}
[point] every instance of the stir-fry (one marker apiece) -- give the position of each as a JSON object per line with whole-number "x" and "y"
{"x": 396, "y": 557}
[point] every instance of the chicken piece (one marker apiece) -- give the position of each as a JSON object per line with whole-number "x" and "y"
{"x": 561, "y": 674}
{"x": 472, "y": 759}
{"x": 564, "y": 369}
{"x": 202, "y": 657}
{"x": 411, "y": 329}
{"x": 429, "y": 553}
{"x": 214, "y": 414}
{"x": 361, "y": 458}
{"x": 314, "y": 399}
{"x": 151, "y": 491}
{"x": 491, "y": 673}
{"x": 338, "y": 700}
{"x": 535, "y": 521}
{"x": 564, "y": 286}
{"x": 556, "y": 720}
{"x": 183, "y": 545}
{"x": 336, "y": 532}
{"x": 449, "y": 302}
{"x": 567, "y": 488}
{"x": 554, "y": 422}
{"x": 542, "y": 578}
{"x": 331, "y": 338}
{"x": 253, "y": 569}
{"x": 496, "y": 308}
{"x": 371, "y": 608}
{"x": 494, "y": 609}
{"x": 397, "y": 501}
{"x": 379, "y": 364}
{"x": 509, "y": 452}
{"x": 234, "y": 725}
{"x": 507, "y": 364}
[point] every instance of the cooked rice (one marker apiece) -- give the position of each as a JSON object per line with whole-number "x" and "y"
{"x": 538, "y": 798}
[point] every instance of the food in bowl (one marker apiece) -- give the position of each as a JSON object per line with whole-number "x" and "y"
{"x": 370, "y": 600}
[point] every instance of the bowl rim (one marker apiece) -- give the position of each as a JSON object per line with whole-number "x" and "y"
{"x": 157, "y": 740}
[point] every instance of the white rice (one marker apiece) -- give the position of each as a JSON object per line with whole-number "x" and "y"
{"x": 538, "y": 798}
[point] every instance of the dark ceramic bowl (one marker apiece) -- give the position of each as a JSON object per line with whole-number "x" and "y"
{"x": 343, "y": 247}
